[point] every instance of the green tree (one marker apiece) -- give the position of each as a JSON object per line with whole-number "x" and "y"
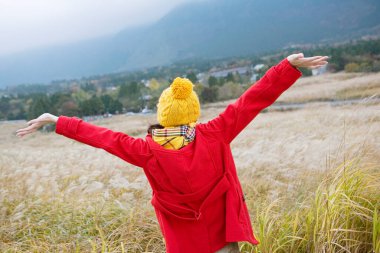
{"x": 69, "y": 108}
{"x": 92, "y": 106}
{"x": 89, "y": 87}
{"x": 40, "y": 104}
{"x": 365, "y": 67}
{"x": 192, "y": 77}
{"x": 4, "y": 107}
{"x": 352, "y": 67}
{"x": 306, "y": 72}
{"x": 80, "y": 95}
{"x": 212, "y": 81}
{"x": 230, "y": 90}
{"x": 65, "y": 104}
{"x": 111, "y": 105}
{"x": 129, "y": 90}
{"x": 209, "y": 94}
{"x": 115, "y": 107}
{"x": 230, "y": 77}
{"x": 154, "y": 84}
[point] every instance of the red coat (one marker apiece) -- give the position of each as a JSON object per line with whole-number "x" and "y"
{"x": 198, "y": 199}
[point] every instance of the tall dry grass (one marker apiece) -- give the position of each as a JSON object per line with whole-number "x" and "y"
{"x": 342, "y": 215}
{"x": 303, "y": 192}
{"x": 35, "y": 225}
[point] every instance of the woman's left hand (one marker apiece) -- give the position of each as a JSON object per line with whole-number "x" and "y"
{"x": 299, "y": 61}
{"x": 35, "y": 124}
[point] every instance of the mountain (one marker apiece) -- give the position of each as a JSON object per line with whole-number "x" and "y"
{"x": 208, "y": 29}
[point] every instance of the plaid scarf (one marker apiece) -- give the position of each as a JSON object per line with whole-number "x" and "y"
{"x": 174, "y": 137}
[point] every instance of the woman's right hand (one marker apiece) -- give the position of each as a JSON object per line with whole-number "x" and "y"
{"x": 35, "y": 124}
{"x": 299, "y": 61}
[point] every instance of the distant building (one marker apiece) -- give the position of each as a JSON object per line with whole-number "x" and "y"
{"x": 111, "y": 88}
{"x": 254, "y": 78}
{"x": 145, "y": 82}
{"x": 201, "y": 77}
{"x": 146, "y": 110}
{"x": 146, "y": 97}
{"x": 319, "y": 71}
{"x": 258, "y": 67}
{"x": 224, "y": 72}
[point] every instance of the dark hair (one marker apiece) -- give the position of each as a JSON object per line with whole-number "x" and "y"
{"x": 154, "y": 126}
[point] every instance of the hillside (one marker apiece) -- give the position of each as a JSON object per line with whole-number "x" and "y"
{"x": 206, "y": 29}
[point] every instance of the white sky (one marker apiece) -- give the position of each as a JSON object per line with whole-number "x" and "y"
{"x": 27, "y": 24}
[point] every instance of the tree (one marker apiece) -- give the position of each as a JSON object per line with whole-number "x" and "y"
{"x": 212, "y": 81}
{"x": 40, "y": 104}
{"x": 4, "y": 106}
{"x": 89, "y": 87}
{"x": 92, "y": 106}
{"x": 115, "y": 106}
{"x": 230, "y": 77}
{"x": 365, "y": 67}
{"x": 111, "y": 105}
{"x": 238, "y": 77}
{"x": 65, "y": 104}
{"x": 352, "y": 67}
{"x": 192, "y": 77}
{"x": 209, "y": 94}
{"x": 80, "y": 95}
{"x": 69, "y": 108}
{"x": 230, "y": 90}
{"x": 154, "y": 84}
{"x": 129, "y": 90}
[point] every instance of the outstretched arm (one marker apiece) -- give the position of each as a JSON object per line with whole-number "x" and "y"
{"x": 132, "y": 150}
{"x": 259, "y": 96}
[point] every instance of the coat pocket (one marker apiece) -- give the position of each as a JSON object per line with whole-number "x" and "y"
{"x": 241, "y": 201}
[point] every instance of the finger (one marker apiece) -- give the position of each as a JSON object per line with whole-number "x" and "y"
{"x": 305, "y": 62}
{"x": 324, "y": 58}
{"x": 32, "y": 121}
{"x": 300, "y": 55}
{"x": 25, "y": 129}
{"x": 21, "y": 130}
{"x": 22, "y": 133}
{"x": 34, "y": 126}
{"x": 315, "y": 63}
{"x": 318, "y": 63}
{"x": 19, "y": 135}
{"x": 313, "y": 58}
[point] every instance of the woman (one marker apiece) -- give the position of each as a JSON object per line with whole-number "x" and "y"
{"x": 197, "y": 196}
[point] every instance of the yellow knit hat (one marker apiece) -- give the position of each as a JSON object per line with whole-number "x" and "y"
{"x": 178, "y": 104}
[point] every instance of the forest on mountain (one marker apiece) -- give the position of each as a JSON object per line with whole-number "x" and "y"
{"x": 138, "y": 90}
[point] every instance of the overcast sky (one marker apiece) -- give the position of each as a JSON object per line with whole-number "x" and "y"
{"x": 33, "y": 23}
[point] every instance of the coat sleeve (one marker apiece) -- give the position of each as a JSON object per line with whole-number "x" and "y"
{"x": 132, "y": 150}
{"x": 259, "y": 96}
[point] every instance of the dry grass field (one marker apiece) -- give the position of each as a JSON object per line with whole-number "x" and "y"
{"x": 311, "y": 176}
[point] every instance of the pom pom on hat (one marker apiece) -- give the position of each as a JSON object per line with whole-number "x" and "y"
{"x": 181, "y": 88}
{"x": 178, "y": 104}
